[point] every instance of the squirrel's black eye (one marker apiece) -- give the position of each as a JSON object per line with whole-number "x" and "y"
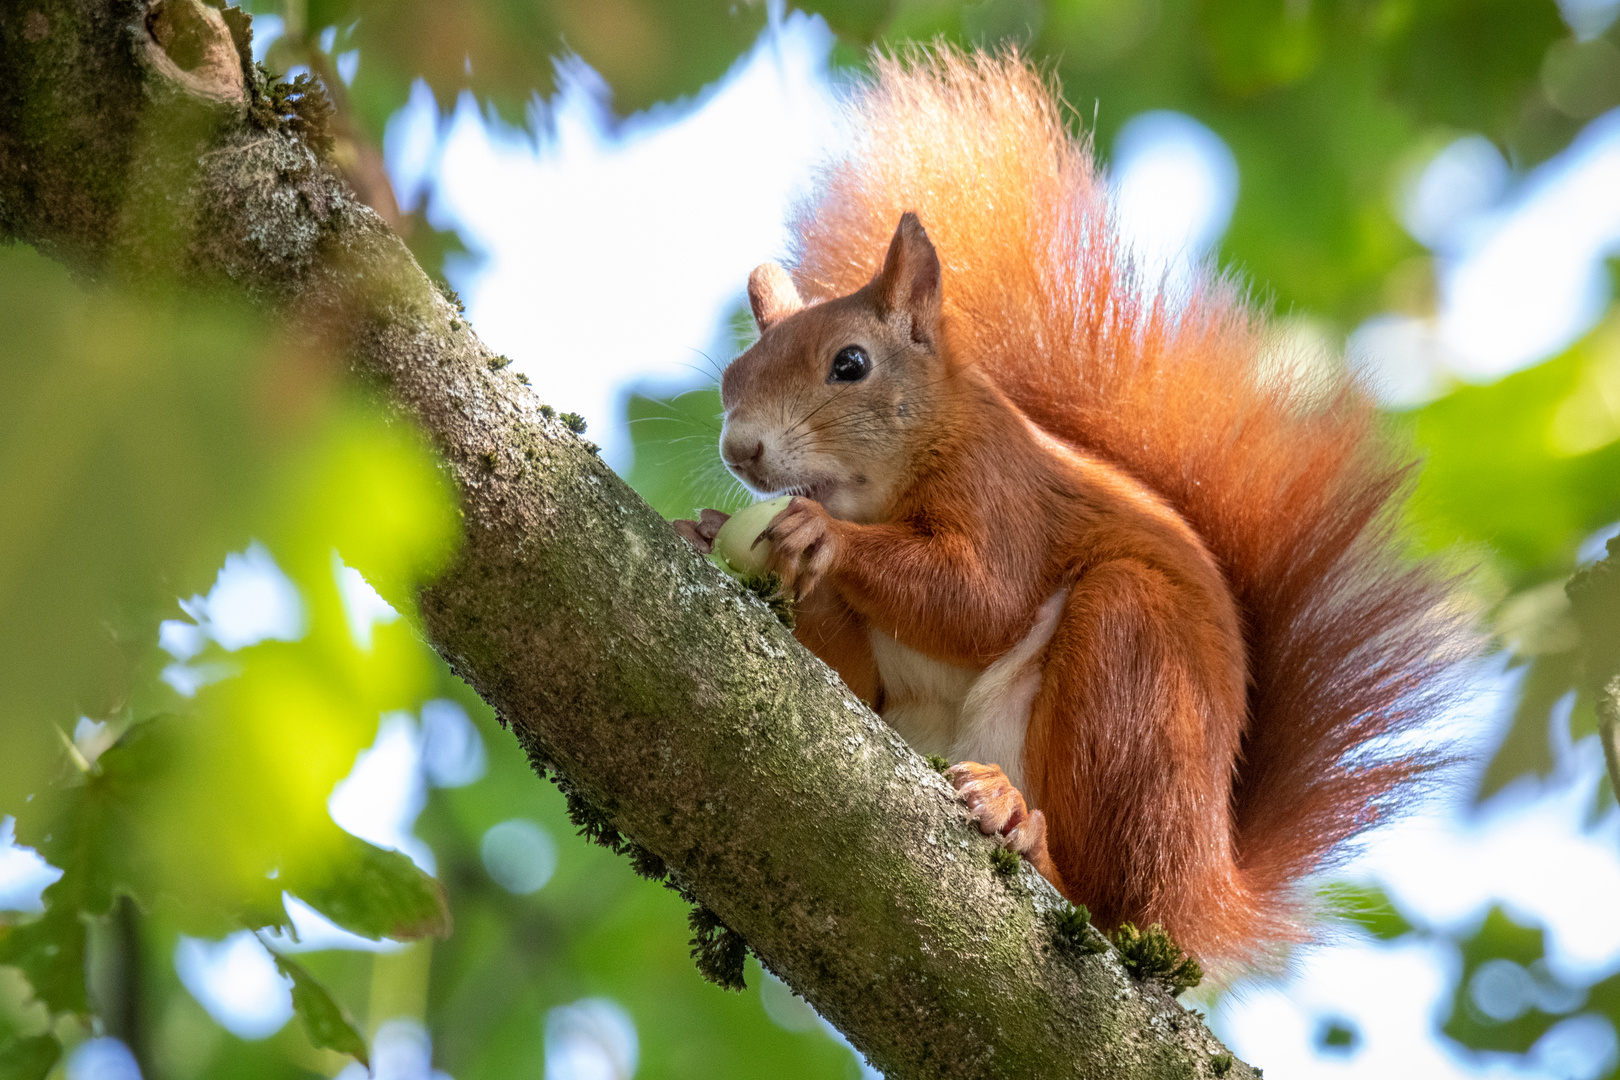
{"x": 850, "y": 365}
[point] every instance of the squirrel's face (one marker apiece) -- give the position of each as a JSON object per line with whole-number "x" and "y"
{"x": 828, "y": 402}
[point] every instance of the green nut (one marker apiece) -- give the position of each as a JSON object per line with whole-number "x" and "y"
{"x": 735, "y": 543}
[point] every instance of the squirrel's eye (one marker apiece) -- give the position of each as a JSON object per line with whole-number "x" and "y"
{"x": 850, "y": 365}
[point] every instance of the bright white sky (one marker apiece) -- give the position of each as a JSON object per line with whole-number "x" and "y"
{"x": 609, "y": 253}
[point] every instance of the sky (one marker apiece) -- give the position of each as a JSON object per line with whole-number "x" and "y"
{"x": 609, "y": 253}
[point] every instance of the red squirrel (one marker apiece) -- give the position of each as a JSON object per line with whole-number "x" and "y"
{"x": 1072, "y": 533}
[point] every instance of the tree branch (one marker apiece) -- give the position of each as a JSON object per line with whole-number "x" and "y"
{"x": 670, "y": 701}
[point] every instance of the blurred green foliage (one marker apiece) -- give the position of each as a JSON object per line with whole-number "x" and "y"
{"x": 145, "y": 435}
{"x": 1518, "y": 474}
{"x": 1507, "y": 996}
{"x": 1527, "y": 467}
{"x": 677, "y": 465}
{"x": 148, "y": 434}
{"x": 1326, "y": 104}
{"x": 128, "y": 458}
{"x": 502, "y": 50}
{"x": 1367, "y": 908}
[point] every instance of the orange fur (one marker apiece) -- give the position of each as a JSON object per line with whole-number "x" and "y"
{"x": 1241, "y": 639}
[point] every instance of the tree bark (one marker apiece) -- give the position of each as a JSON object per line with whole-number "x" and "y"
{"x": 136, "y": 142}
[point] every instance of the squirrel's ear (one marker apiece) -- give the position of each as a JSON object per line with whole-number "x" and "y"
{"x": 771, "y": 294}
{"x": 909, "y": 282}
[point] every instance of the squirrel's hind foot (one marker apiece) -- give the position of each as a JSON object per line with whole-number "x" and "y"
{"x": 1000, "y": 810}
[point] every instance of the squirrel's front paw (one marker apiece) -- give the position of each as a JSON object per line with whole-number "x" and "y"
{"x": 1000, "y": 810}
{"x": 804, "y": 545}
{"x": 701, "y": 533}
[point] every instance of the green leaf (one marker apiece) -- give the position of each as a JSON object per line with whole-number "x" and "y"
{"x": 1527, "y": 748}
{"x": 1594, "y": 595}
{"x": 27, "y": 1048}
{"x": 677, "y": 466}
{"x": 27, "y": 1058}
{"x": 50, "y": 950}
{"x": 131, "y": 447}
{"x": 87, "y": 826}
{"x": 1528, "y": 466}
{"x": 1472, "y": 65}
{"x": 326, "y": 1021}
{"x": 858, "y": 21}
{"x": 377, "y": 893}
{"x": 1367, "y": 906}
{"x": 1604, "y": 998}
{"x": 504, "y": 50}
{"x": 85, "y": 831}
{"x": 1314, "y": 226}
{"x": 141, "y": 438}
{"x": 1522, "y": 471}
{"x": 1500, "y": 938}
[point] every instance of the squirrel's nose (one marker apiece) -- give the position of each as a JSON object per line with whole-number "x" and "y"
{"x": 739, "y": 455}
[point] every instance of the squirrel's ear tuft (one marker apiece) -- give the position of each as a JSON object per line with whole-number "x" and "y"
{"x": 909, "y": 283}
{"x": 771, "y": 294}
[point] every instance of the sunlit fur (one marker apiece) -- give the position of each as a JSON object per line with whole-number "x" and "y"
{"x": 1243, "y": 638}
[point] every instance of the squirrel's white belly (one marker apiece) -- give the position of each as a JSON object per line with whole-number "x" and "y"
{"x": 962, "y": 714}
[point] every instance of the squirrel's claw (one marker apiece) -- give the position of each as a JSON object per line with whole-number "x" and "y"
{"x": 1000, "y": 810}
{"x": 804, "y": 545}
{"x": 1029, "y": 836}
{"x": 701, "y": 533}
{"x": 991, "y": 799}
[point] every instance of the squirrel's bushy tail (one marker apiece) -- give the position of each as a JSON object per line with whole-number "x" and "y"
{"x": 1285, "y": 475}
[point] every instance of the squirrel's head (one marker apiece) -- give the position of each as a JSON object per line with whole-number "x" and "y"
{"x": 833, "y": 400}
